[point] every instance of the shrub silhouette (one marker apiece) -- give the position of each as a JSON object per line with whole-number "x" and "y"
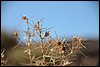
{"x": 7, "y": 42}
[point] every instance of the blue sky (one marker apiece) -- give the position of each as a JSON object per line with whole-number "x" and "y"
{"x": 70, "y": 17}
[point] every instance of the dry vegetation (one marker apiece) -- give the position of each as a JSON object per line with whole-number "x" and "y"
{"x": 48, "y": 51}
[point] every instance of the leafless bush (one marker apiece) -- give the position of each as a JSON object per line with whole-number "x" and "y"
{"x": 54, "y": 52}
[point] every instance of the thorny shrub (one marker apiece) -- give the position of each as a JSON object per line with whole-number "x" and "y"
{"x": 54, "y": 52}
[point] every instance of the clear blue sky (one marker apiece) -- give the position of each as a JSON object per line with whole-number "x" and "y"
{"x": 70, "y": 17}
